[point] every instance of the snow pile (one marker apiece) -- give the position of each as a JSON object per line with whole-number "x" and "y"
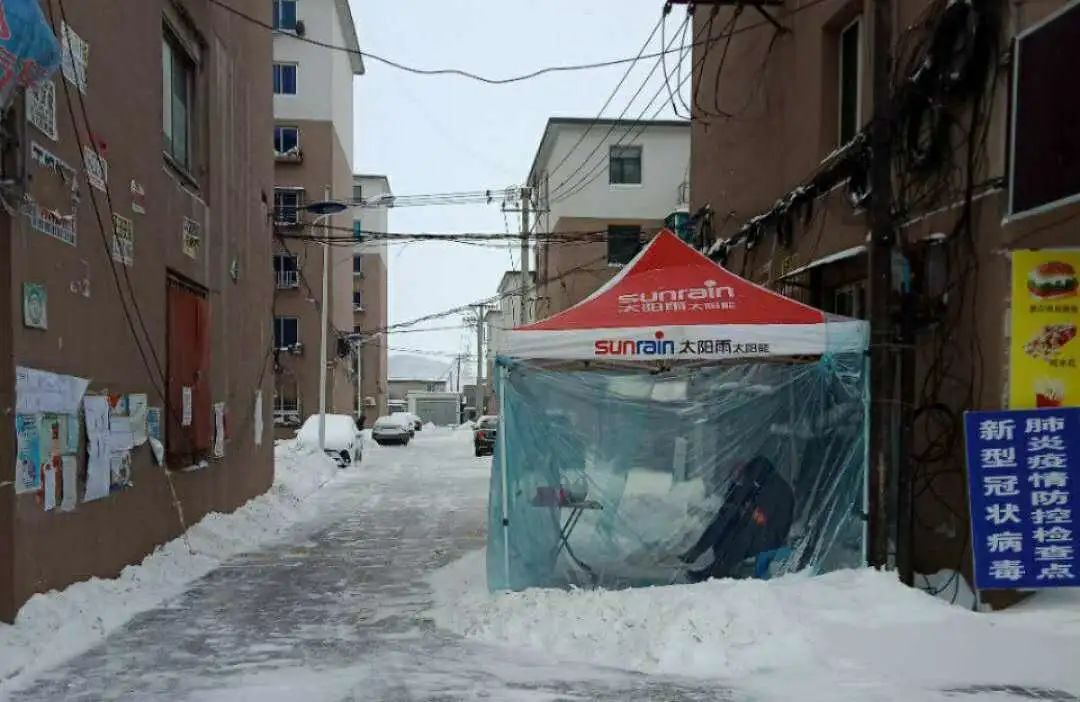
{"x": 852, "y": 628}
{"x": 56, "y": 625}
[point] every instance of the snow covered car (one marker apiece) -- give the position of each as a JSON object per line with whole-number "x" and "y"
{"x": 411, "y": 420}
{"x": 484, "y": 435}
{"x": 392, "y": 430}
{"x": 344, "y": 442}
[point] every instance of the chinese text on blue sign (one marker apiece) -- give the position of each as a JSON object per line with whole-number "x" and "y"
{"x": 1022, "y": 468}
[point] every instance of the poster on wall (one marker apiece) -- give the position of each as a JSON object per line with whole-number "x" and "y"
{"x": 35, "y": 306}
{"x": 1044, "y": 353}
{"x": 28, "y": 454}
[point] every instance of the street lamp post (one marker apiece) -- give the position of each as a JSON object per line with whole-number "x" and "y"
{"x": 324, "y": 210}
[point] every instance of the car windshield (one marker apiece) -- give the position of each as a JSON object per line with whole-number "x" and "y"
{"x": 388, "y": 423}
{"x": 489, "y": 422}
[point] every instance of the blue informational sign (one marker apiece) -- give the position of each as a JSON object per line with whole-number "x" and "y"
{"x": 1023, "y": 470}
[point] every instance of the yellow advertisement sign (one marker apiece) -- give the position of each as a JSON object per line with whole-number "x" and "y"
{"x": 1044, "y": 356}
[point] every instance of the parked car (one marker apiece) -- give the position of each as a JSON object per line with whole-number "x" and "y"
{"x": 391, "y": 430}
{"x": 484, "y": 435}
{"x": 344, "y": 442}
{"x": 410, "y": 420}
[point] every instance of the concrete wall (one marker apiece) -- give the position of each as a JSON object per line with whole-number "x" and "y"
{"x": 225, "y": 190}
{"x": 785, "y": 117}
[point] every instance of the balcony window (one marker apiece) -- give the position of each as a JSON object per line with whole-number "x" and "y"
{"x": 358, "y": 265}
{"x": 286, "y": 275}
{"x": 286, "y": 332}
{"x": 284, "y": 79}
{"x": 357, "y": 230}
{"x": 623, "y": 243}
{"x": 358, "y": 300}
{"x": 849, "y": 81}
{"x": 177, "y": 79}
{"x": 287, "y": 204}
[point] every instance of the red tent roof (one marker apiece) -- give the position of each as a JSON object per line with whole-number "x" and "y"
{"x": 670, "y": 283}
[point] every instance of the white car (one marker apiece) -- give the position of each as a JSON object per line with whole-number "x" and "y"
{"x": 410, "y": 420}
{"x": 344, "y": 442}
{"x": 392, "y": 430}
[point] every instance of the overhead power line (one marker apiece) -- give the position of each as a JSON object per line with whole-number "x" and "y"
{"x": 565, "y": 68}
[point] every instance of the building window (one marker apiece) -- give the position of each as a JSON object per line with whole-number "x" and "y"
{"x": 286, "y": 332}
{"x": 357, "y": 265}
{"x": 286, "y": 140}
{"x": 284, "y": 79}
{"x": 357, "y": 193}
{"x": 623, "y": 243}
{"x": 286, "y": 275}
{"x": 287, "y": 204}
{"x": 849, "y": 86}
{"x": 624, "y": 165}
{"x": 285, "y": 15}
{"x": 357, "y": 329}
{"x": 849, "y": 300}
{"x": 357, "y": 230}
{"x": 177, "y": 80}
{"x": 358, "y": 300}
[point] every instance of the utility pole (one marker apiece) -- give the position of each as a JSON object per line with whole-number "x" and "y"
{"x": 480, "y": 309}
{"x": 526, "y": 194}
{"x": 458, "y": 373}
{"x": 324, "y": 320}
{"x": 884, "y": 436}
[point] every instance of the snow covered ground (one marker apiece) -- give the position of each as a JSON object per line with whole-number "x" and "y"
{"x": 56, "y": 625}
{"x": 857, "y": 635}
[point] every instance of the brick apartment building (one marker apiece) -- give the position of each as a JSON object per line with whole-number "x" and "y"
{"x": 134, "y": 239}
{"x": 313, "y": 150}
{"x": 777, "y": 154}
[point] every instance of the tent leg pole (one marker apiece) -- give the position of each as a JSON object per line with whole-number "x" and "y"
{"x": 502, "y": 466}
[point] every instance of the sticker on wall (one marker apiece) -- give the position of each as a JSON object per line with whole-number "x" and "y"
{"x": 35, "y": 306}
{"x": 69, "y": 481}
{"x": 41, "y": 108}
{"x": 55, "y": 224}
{"x": 192, "y": 237}
{"x": 96, "y": 412}
{"x": 138, "y": 198}
{"x": 48, "y": 481}
{"x": 97, "y": 168}
{"x": 137, "y": 410}
{"x": 74, "y": 57}
{"x": 185, "y": 414}
{"x": 123, "y": 243}
{"x": 28, "y": 454}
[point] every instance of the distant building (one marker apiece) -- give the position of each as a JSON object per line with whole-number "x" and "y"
{"x": 399, "y": 388}
{"x": 618, "y": 179}
{"x": 370, "y": 312}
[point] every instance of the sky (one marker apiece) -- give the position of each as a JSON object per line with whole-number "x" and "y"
{"x": 433, "y": 134}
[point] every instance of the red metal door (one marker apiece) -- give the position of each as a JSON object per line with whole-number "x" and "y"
{"x": 190, "y": 429}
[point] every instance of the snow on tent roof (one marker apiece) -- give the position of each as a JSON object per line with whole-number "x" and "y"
{"x": 672, "y": 302}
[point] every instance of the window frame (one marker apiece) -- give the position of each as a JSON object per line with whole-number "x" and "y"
{"x": 276, "y": 19}
{"x": 612, "y": 159}
{"x": 280, "y": 129}
{"x": 855, "y": 24}
{"x": 297, "y": 208}
{"x": 279, "y": 331}
{"x": 622, "y": 229}
{"x": 280, "y": 66}
{"x": 358, "y": 230}
{"x": 358, "y": 300}
{"x": 358, "y": 264}
{"x": 178, "y": 55}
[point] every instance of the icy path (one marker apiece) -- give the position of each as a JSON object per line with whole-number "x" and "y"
{"x": 335, "y": 614}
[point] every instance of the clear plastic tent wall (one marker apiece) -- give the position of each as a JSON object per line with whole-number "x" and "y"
{"x": 625, "y": 477}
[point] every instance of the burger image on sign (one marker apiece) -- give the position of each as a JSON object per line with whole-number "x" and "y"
{"x": 1052, "y": 280}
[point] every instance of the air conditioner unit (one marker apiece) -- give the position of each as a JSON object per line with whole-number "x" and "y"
{"x": 297, "y": 348}
{"x": 301, "y": 30}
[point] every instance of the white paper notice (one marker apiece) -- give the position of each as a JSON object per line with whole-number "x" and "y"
{"x": 69, "y": 482}
{"x": 49, "y": 478}
{"x": 41, "y": 391}
{"x": 185, "y": 419}
{"x": 258, "y": 418}
{"x": 96, "y": 409}
{"x": 137, "y": 413}
{"x": 120, "y": 434}
{"x": 97, "y": 469}
{"x": 159, "y": 451}
{"x": 219, "y": 429}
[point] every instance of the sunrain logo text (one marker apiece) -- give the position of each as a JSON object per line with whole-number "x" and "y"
{"x": 708, "y": 296}
{"x": 658, "y": 346}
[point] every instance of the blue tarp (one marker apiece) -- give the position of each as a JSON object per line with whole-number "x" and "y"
{"x": 29, "y": 51}
{"x": 760, "y": 465}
